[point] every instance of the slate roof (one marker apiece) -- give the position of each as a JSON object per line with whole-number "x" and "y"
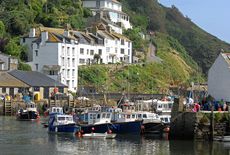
{"x": 7, "y": 80}
{"x": 35, "y": 79}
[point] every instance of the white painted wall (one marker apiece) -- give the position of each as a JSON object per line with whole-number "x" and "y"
{"x": 87, "y": 56}
{"x": 89, "y": 4}
{"x": 61, "y": 54}
{"x": 219, "y": 79}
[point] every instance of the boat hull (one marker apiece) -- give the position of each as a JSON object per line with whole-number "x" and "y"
{"x": 117, "y": 127}
{"x": 153, "y": 127}
{"x": 29, "y": 115}
{"x": 69, "y": 128}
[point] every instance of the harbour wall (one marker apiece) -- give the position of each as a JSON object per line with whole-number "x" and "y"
{"x": 202, "y": 125}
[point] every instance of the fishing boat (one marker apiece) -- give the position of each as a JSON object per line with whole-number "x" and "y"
{"x": 100, "y": 122}
{"x": 61, "y": 123}
{"x": 30, "y": 113}
{"x": 151, "y": 122}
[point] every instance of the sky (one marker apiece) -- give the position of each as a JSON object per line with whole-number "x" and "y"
{"x": 211, "y": 15}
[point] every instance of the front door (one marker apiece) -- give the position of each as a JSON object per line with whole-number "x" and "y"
{"x": 11, "y": 93}
{"x": 46, "y": 92}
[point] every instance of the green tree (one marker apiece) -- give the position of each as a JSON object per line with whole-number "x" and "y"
{"x": 2, "y": 29}
{"x": 13, "y": 48}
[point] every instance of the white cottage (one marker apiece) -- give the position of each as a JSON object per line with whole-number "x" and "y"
{"x": 219, "y": 78}
{"x": 111, "y": 9}
{"x": 54, "y": 53}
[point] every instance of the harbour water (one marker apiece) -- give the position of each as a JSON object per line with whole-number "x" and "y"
{"x": 30, "y": 138}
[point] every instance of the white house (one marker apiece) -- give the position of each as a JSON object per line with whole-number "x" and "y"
{"x": 54, "y": 52}
{"x": 58, "y": 52}
{"x": 219, "y": 78}
{"x": 112, "y": 9}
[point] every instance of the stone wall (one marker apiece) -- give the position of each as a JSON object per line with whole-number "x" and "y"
{"x": 197, "y": 125}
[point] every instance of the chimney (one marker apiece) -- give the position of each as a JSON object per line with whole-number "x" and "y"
{"x": 86, "y": 31}
{"x": 66, "y": 33}
{"x": 44, "y": 36}
{"x": 32, "y": 32}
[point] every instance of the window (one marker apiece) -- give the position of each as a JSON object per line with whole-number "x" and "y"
{"x": 72, "y": 83}
{"x": 3, "y": 90}
{"x": 36, "y": 67}
{"x": 67, "y": 82}
{"x": 91, "y": 52}
{"x": 68, "y": 73}
{"x": 128, "y": 44}
{"x": 122, "y": 51}
{"x": 107, "y": 49}
{"x": 36, "y": 53}
{"x": 115, "y": 49}
{"x": 73, "y": 73}
{"x": 51, "y": 72}
{"x": 99, "y": 51}
{"x": 63, "y": 50}
{"x": 81, "y": 61}
{"x": 87, "y": 51}
{"x": 128, "y": 51}
{"x": 68, "y": 52}
{"x": 73, "y": 62}
{"x": 81, "y": 50}
{"x": 73, "y": 51}
{"x": 68, "y": 61}
{"x": 116, "y": 42}
{"x": 122, "y": 42}
{"x": 62, "y": 61}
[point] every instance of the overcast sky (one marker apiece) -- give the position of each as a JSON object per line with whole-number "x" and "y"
{"x": 211, "y": 15}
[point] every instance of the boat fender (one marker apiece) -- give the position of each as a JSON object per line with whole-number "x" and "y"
{"x": 92, "y": 129}
{"x": 109, "y": 131}
{"x": 167, "y": 129}
{"x": 66, "y": 109}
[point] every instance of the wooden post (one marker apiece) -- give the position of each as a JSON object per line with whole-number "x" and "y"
{"x": 212, "y": 124}
{"x": 49, "y": 101}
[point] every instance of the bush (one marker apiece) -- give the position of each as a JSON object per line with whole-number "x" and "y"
{"x": 24, "y": 67}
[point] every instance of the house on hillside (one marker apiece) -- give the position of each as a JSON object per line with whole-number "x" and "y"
{"x": 58, "y": 52}
{"x": 8, "y": 62}
{"x": 54, "y": 53}
{"x": 110, "y": 10}
{"x": 219, "y": 78}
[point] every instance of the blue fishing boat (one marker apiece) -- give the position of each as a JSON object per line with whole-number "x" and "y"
{"x": 30, "y": 113}
{"x": 100, "y": 122}
{"x": 60, "y": 123}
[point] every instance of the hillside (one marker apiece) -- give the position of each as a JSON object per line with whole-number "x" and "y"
{"x": 184, "y": 48}
{"x": 149, "y": 15}
{"x": 174, "y": 70}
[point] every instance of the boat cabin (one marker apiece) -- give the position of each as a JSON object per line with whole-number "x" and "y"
{"x": 164, "y": 106}
{"x": 97, "y": 117}
{"x": 62, "y": 119}
{"x": 114, "y": 111}
{"x": 31, "y": 106}
{"x": 147, "y": 115}
{"x": 126, "y": 117}
{"x": 128, "y": 106}
{"x": 165, "y": 118}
